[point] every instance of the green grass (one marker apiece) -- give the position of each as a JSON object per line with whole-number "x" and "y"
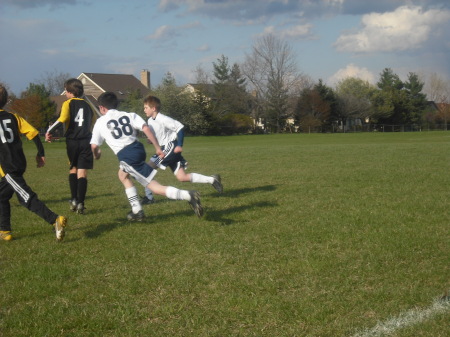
{"x": 314, "y": 235}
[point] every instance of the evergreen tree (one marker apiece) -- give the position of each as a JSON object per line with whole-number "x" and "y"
{"x": 416, "y": 100}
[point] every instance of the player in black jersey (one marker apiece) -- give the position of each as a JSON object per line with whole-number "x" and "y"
{"x": 76, "y": 115}
{"x": 12, "y": 167}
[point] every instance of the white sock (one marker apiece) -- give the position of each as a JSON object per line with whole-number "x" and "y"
{"x": 200, "y": 178}
{"x": 176, "y": 194}
{"x": 133, "y": 199}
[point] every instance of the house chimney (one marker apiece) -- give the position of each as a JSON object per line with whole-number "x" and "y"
{"x": 145, "y": 78}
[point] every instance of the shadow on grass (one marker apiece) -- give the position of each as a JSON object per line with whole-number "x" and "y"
{"x": 218, "y": 216}
{"x": 237, "y": 192}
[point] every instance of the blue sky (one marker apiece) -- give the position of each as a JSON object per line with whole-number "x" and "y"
{"x": 331, "y": 39}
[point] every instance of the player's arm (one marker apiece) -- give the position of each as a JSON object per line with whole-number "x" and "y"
{"x": 180, "y": 140}
{"x": 96, "y": 151}
{"x": 52, "y": 128}
{"x": 64, "y": 116}
{"x": 40, "y": 157}
{"x": 152, "y": 138}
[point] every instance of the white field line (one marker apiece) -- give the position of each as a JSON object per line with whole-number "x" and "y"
{"x": 408, "y": 318}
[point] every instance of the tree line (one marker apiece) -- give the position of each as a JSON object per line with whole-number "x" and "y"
{"x": 267, "y": 93}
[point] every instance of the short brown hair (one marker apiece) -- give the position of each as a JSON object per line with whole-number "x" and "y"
{"x": 153, "y": 101}
{"x": 74, "y": 86}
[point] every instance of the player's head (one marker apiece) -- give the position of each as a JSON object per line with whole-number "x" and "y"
{"x": 108, "y": 100}
{"x": 153, "y": 102}
{"x": 74, "y": 86}
{"x": 3, "y": 96}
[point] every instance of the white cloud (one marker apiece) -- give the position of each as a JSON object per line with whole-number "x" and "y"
{"x": 166, "y": 32}
{"x": 162, "y": 32}
{"x": 403, "y": 29}
{"x": 204, "y": 47}
{"x": 294, "y": 32}
{"x": 352, "y": 71}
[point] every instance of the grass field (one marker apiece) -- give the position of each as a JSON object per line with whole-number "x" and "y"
{"x": 314, "y": 235}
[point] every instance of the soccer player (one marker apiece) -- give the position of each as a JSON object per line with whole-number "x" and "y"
{"x": 119, "y": 130}
{"x": 170, "y": 135}
{"x": 77, "y": 116}
{"x": 12, "y": 168}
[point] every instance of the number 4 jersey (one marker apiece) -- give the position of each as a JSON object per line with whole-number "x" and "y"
{"x": 76, "y": 114}
{"x": 12, "y": 158}
{"x": 117, "y": 128}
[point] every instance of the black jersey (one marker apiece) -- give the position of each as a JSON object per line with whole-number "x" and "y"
{"x": 77, "y": 115}
{"x": 12, "y": 158}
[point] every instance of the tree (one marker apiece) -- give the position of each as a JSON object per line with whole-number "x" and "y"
{"x": 35, "y": 106}
{"x": 54, "y": 82}
{"x": 389, "y": 100}
{"x": 438, "y": 91}
{"x": 416, "y": 100}
{"x": 230, "y": 95}
{"x": 133, "y": 102}
{"x": 312, "y": 110}
{"x": 192, "y": 111}
{"x": 272, "y": 72}
{"x": 355, "y": 98}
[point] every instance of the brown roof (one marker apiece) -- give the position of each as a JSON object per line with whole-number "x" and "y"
{"x": 119, "y": 83}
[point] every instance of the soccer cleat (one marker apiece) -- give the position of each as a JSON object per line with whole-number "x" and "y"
{"x": 217, "y": 184}
{"x": 139, "y": 216}
{"x": 60, "y": 223}
{"x": 195, "y": 203}
{"x": 147, "y": 201}
{"x": 6, "y": 235}
{"x": 80, "y": 208}
{"x": 73, "y": 205}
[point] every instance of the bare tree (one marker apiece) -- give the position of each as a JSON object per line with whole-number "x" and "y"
{"x": 54, "y": 81}
{"x": 272, "y": 72}
{"x": 201, "y": 75}
{"x": 438, "y": 91}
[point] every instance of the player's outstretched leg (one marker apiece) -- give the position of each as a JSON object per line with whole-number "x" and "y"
{"x": 195, "y": 203}
{"x": 217, "y": 184}
{"x": 60, "y": 224}
{"x": 139, "y": 216}
{"x": 6, "y": 235}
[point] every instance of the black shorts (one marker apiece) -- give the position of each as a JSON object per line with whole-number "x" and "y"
{"x": 171, "y": 159}
{"x": 80, "y": 154}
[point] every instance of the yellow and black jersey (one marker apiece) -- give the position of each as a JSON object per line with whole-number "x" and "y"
{"x": 12, "y": 158}
{"x": 77, "y": 116}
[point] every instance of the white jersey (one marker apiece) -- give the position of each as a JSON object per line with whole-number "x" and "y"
{"x": 117, "y": 128}
{"x": 165, "y": 128}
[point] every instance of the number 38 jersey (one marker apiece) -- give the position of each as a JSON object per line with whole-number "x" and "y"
{"x": 117, "y": 128}
{"x": 77, "y": 115}
{"x": 12, "y": 158}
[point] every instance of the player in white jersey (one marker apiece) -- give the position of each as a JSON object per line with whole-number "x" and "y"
{"x": 170, "y": 135}
{"x": 119, "y": 130}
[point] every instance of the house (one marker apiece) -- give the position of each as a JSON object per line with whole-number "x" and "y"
{"x": 96, "y": 83}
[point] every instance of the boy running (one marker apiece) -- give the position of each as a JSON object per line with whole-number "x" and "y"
{"x": 119, "y": 130}
{"x": 170, "y": 135}
{"x": 12, "y": 168}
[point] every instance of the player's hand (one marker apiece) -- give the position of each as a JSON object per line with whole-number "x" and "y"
{"x": 178, "y": 149}
{"x": 97, "y": 154}
{"x": 160, "y": 153}
{"x": 40, "y": 161}
{"x": 48, "y": 137}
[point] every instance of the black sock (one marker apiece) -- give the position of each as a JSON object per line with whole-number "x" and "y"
{"x": 73, "y": 183}
{"x": 82, "y": 189}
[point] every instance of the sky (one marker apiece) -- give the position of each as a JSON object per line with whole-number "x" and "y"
{"x": 331, "y": 39}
